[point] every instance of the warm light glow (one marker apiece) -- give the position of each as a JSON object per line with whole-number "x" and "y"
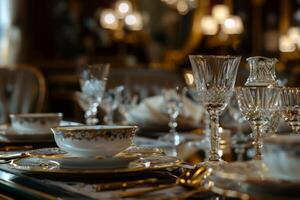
{"x": 123, "y": 7}
{"x": 171, "y": 2}
{"x": 294, "y": 34}
{"x": 209, "y": 25}
{"x": 286, "y": 44}
{"x": 108, "y": 19}
{"x": 130, "y": 20}
{"x": 182, "y": 7}
{"x": 220, "y": 12}
{"x": 189, "y": 78}
{"x": 233, "y": 25}
{"x": 134, "y": 21}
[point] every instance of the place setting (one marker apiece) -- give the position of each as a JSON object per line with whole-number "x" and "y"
{"x": 85, "y": 150}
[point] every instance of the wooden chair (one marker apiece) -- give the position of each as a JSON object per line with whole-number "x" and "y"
{"x": 22, "y": 90}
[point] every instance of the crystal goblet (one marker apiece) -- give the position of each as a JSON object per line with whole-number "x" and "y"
{"x": 215, "y": 78}
{"x": 93, "y": 82}
{"x": 258, "y": 105}
{"x": 290, "y": 107}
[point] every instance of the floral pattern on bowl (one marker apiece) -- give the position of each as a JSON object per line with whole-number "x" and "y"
{"x": 94, "y": 141}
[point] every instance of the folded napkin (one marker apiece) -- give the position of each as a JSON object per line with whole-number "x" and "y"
{"x": 151, "y": 114}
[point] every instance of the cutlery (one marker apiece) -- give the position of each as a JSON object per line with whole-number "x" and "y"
{"x": 4, "y": 159}
{"x": 191, "y": 179}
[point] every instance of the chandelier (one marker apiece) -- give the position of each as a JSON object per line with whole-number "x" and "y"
{"x": 221, "y": 21}
{"x": 122, "y": 16}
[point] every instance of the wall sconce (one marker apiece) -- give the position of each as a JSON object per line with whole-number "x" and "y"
{"x": 123, "y": 15}
{"x": 229, "y": 24}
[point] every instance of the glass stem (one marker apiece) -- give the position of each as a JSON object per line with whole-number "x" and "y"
{"x": 258, "y": 142}
{"x": 173, "y": 124}
{"x": 91, "y": 116}
{"x": 214, "y": 137}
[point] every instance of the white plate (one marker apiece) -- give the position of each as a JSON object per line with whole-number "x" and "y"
{"x": 84, "y": 166}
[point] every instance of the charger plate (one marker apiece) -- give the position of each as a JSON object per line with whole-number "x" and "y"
{"x": 252, "y": 179}
{"x": 84, "y": 166}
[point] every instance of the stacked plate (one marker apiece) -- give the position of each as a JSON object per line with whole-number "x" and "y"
{"x": 55, "y": 162}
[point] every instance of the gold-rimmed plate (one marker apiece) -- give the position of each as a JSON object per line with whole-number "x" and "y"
{"x": 62, "y": 165}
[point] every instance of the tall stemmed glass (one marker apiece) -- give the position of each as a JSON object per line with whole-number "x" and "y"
{"x": 290, "y": 107}
{"x": 258, "y": 105}
{"x": 93, "y": 82}
{"x": 215, "y": 78}
{"x": 173, "y": 101}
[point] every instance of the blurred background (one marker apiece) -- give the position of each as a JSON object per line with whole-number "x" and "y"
{"x": 146, "y": 42}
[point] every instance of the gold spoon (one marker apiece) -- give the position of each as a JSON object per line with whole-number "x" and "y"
{"x": 192, "y": 179}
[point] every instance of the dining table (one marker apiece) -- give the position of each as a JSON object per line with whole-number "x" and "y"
{"x": 158, "y": 183}
{"x": 20, "y": 180}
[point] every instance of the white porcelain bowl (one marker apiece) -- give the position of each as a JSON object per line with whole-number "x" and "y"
{"x": 35, "y": 123}
{"x": 94, "y": 141}
{"x": 282, "y": 156}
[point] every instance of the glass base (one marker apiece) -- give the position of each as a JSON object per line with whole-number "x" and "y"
{"x": 174, "y": 139}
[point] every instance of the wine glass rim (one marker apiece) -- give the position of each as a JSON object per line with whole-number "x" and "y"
{"x": 291, "y": 88}
{"x": 254, "y": 87}
{"x": 261, "y": 57}
{"x": 215, "y": 56}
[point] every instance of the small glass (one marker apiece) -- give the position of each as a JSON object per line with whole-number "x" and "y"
{"x": 290, "y": 107}
{"x": 93, "y": 82}
{"x": 258, "y": 105}
{"x": 262, "y": 71}
{"x": 173, "y": 101}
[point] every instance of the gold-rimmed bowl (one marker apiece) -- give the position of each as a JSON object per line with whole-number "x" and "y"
{"x": 40, "y": 123}
{"x": 94, "y": 141}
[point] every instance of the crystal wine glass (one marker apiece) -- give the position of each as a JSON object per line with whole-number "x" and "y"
{"x": 93, "y": 82}
{"x": 173, "y": 101}
{"x": 215, "y": 78}
{"x": 239, "y": 139}
{"x": 258, "y": 105}
{"x": 290, "y": 107}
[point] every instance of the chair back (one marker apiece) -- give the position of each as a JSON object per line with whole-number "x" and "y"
{"x": 22, "y": 90}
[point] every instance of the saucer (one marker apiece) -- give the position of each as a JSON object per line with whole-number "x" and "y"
{"x": 86, "y": 166}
